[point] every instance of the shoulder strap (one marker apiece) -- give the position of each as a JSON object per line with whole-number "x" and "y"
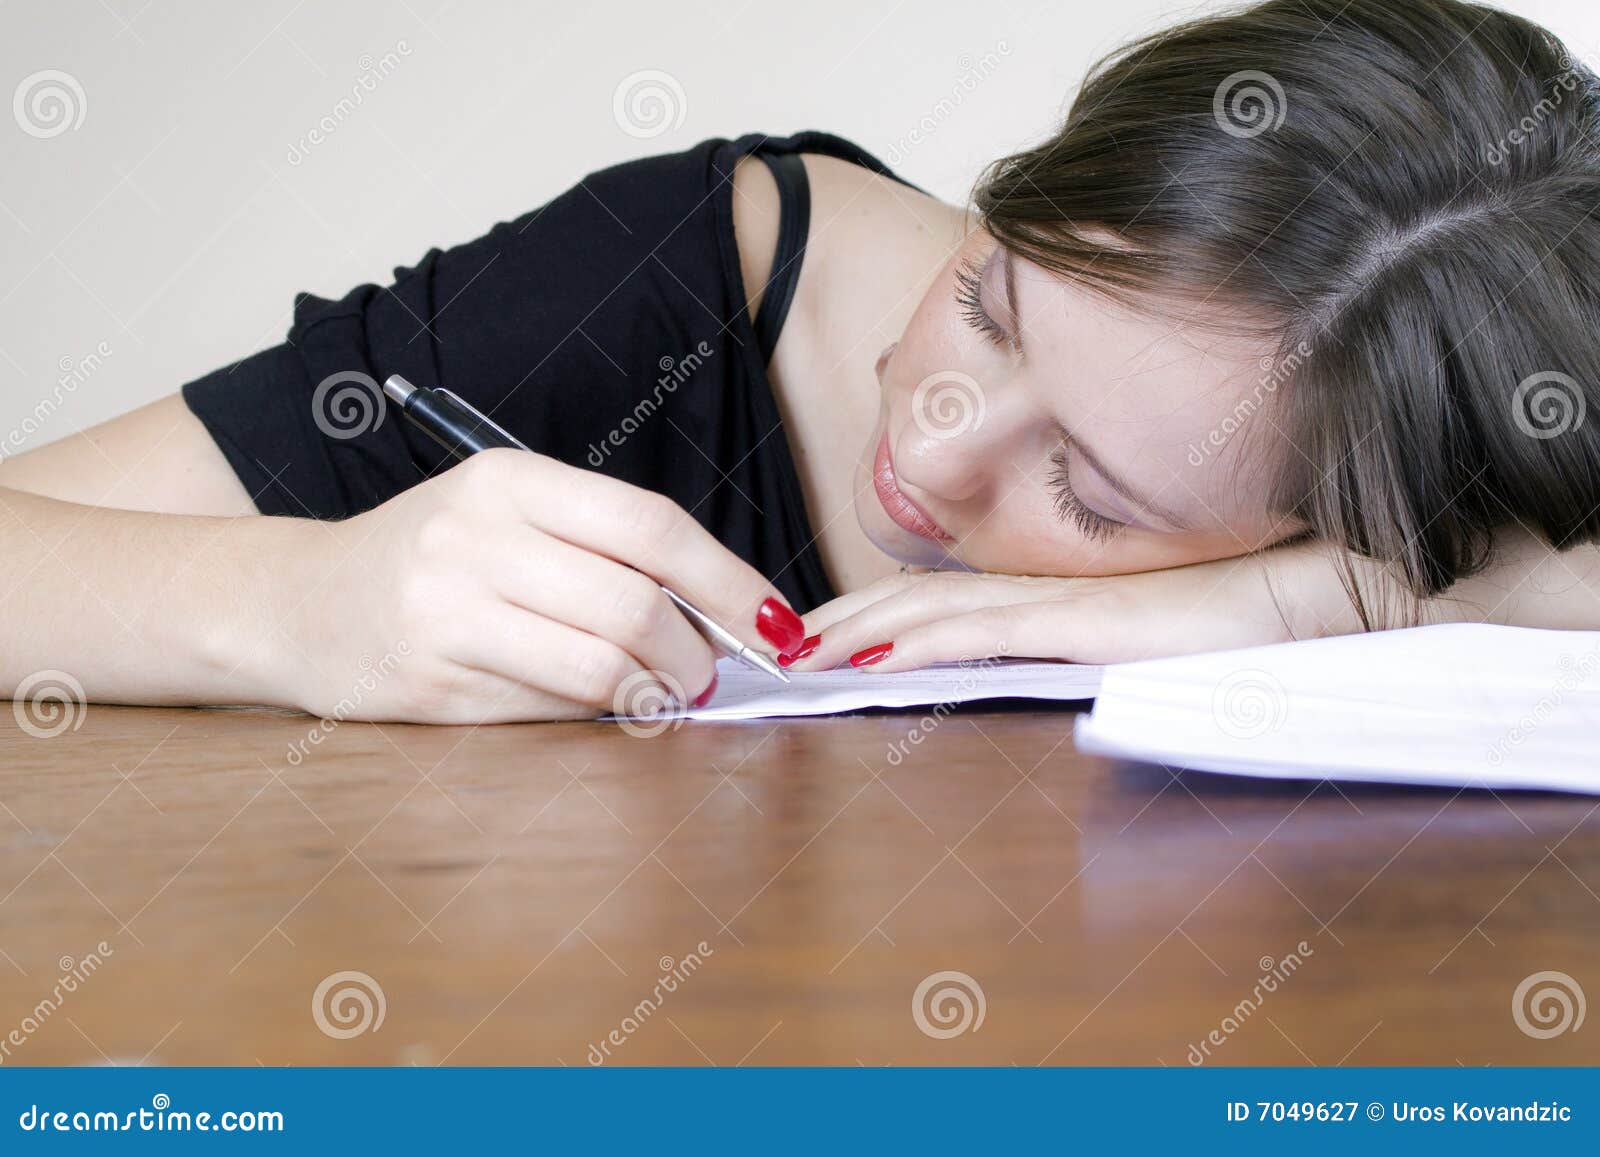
{"x": 794, "y": 220}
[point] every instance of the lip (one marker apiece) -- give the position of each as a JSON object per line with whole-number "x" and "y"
{"x": 905, "y": 513}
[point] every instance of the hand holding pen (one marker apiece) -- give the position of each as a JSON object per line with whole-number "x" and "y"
{"x": 583, "y": 585}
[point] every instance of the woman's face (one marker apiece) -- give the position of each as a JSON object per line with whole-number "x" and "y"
{"x": 1029, "y": 426}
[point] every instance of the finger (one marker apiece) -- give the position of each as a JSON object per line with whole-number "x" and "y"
{"x": 926, "y": 598}
{"x": 819, "y": 619}
{"x": 558, "y": 660}
{"x": 601, "y": 597}
{"x": 653, "y": 534}
{"x": 1040, "y": 630}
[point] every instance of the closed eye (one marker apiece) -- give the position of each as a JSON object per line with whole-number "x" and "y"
{"x": 1094, "y": 526}
{"x": 969, "y": 298}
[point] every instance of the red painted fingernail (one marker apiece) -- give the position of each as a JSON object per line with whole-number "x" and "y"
{"x": 805, "y": 649}
{"x": 780, "y": 626}
{"x": 704, "y": 697}
{"x": 873, "y": 654}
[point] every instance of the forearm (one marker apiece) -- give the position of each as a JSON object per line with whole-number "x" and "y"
{"x": 1526, "y": 584}
{"x": 142, "y": 608}
{"x": 1531, "y": 585}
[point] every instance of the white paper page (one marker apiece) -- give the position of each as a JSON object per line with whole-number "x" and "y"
{"x": 746, "y": 694}
{"x": 1461, "y": 705}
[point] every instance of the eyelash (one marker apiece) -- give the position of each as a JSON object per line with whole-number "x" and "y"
{"x": 1070, "y": 508}
{"x": 969, "y": 297}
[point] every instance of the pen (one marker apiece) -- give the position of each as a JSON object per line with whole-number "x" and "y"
{"x": 462, "y": 430}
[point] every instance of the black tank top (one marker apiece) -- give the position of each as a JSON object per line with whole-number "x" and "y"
{"x": 608, "y": 329}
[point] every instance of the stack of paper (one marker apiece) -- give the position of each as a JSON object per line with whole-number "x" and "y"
{"x": 1456, "y": 704}
{"x": 1465, "y": 705}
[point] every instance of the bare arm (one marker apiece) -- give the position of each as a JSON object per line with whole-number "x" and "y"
{"x": 110, "y": 571}
{"x": 1274, "y": 596}
{"x": 138, "y": 607}
{"x": 157, "y": 458}
{"x": 1528, "y": 584}
{"x": 511, "y": 587}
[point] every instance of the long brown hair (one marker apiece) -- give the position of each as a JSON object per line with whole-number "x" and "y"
{"x": 1405, "y": 191}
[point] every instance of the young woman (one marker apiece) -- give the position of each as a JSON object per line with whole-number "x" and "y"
{"x": 1289, "y": 330}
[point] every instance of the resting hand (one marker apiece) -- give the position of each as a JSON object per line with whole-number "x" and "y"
{"x": 1271, "y": 597}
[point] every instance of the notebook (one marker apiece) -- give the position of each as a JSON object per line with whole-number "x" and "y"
{"x": 746, "y": 694}
{"x": 1464, "y": 705}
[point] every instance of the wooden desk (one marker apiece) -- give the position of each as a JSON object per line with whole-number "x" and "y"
{"x": 517, "y": 892}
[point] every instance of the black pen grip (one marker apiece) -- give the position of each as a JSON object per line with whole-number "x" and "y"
{"x": 459, "y": 430}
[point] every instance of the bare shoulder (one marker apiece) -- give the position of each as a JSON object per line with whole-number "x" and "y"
{"x": 853, "y": 210}
{"x": 844, "y": 195}
{"x": 864, "y": 223}
{"x": 873, "y": 248}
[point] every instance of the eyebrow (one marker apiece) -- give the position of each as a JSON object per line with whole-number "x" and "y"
{"x": 1120, "y": 485}
{"x": 1011, "y": 302}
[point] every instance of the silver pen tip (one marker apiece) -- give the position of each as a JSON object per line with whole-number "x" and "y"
{"x": 759, "y": 661}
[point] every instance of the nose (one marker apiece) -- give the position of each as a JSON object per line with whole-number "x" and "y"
{"x": 959, "y": 436}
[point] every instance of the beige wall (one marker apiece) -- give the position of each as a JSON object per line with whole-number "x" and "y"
{"x": 166, "y": 233}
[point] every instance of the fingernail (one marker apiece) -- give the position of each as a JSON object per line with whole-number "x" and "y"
{"x": 876, "y": 653}
{"x": 704, "y": 697}
{"x": 780, "y": 626}
{"x": 805, "y": 649}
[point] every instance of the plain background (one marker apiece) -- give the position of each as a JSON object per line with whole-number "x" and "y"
{"x": 172, "y": 229}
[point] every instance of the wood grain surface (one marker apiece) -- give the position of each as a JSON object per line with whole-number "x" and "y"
{"x": 761, "y": 893}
